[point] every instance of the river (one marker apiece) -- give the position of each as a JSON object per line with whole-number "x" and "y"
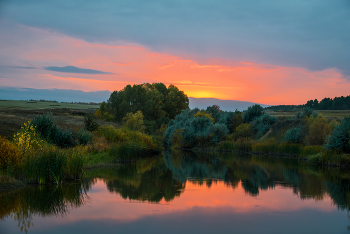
{"x": 186, "y": 192}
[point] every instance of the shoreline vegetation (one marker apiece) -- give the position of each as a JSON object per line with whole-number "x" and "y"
{"x": 144, "y": 119}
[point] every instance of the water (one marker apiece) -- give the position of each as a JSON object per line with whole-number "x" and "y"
{"x": 187, "y": 193}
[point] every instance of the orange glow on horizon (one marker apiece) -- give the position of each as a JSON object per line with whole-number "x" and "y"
{"x": 134, "y": 64}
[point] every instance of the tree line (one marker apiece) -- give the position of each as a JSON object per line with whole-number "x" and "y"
{"x": 337, "y": 103}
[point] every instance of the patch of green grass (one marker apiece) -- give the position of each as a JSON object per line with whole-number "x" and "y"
{"x": 44, "y": 105}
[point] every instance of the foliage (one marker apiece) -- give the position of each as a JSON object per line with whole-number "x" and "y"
{"x": 305, "y": 112}
{"x": 272, "y": 147}
{"x": 339, "y": 139}
{"x": 126, "y": 136}
{"x": 319, "y": 129}
{"x": 252, "y": 113}
{"x": 202, "y": 113}
{"x": 43, "y": 125}
{"x": 102, "y": 113}
{"x": 52, "y": 165}
{"x": 263, "y": 123}
{"x": 237, "y": 120}
{"x": 218, "y": 132}
{"x": 242, "y": 131}
{"x": 27, "y": 139}
{"x": 49, "y": 131}
{"x": 293, "y": 135}
{"x": 9, "y": 154}
{"x": 83, "y": 137}
{"x": 156, "y": 102}
{"x": 90, "y": 123}
{"x": 134, "y": 121}
{"x": 241, "y": 145}
{"x": 61, "y": 138}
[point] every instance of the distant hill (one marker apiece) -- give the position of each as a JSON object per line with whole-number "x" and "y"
{"x": 225, "y": 105}
{"x": 60, "y": 95}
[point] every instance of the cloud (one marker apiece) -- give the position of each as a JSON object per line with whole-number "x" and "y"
{"x": 72, "y": 69}
{"x": 310, "y": 34}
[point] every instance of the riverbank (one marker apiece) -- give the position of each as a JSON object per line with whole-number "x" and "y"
{"x": 314, "y": 155}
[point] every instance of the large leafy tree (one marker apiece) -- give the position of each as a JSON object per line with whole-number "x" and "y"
{"x": 156, "y": 101}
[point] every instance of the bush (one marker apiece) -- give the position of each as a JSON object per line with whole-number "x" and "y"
{"x": 293, "y": 135}
{"x": 242, "y": 131}
{"x": 125, "y": 135}
{"x": 61, "y": 138}
{"x": 305, "y": 112}
{"x": 252, "y": 113}
{"x": 237, "y": 120}
{"x": 90, "y": 124}
{"x": 83, "y": 137}
{"x": 43, "y": 124}
{"x": 218, "y": 132}
{"x": 263, "y": 123}
{"x": 319, "y": 129}
{"x": 339, "y": 139}
{"x": 27, "y": 138}
{"x": 209, "y": 116}
{"x": 9, "y": 154}
{"x": 134, "y": 121}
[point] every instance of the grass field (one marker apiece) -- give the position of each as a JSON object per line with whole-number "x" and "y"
{"x": 43, "y": 105}
{"x": 329, "y": 114}
{"x": 66, "y": 115}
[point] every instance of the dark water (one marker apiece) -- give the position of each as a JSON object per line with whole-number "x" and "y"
{"x": 187, "y": 193}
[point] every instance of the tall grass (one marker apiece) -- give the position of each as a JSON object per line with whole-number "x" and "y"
{"x": 52, "y": 165}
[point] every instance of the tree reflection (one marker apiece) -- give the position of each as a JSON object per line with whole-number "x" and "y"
{"x": 42, "y": 201}
{"x": 147, "y": 180}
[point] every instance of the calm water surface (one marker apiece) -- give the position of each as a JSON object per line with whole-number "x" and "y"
{"x": 187, "y": 193}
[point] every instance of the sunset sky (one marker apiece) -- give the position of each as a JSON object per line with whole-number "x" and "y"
{"x": 269, "y": 52}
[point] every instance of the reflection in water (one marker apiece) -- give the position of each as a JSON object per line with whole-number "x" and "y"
{"x": 42, "y": 201}
{"x": 165, "y": 180}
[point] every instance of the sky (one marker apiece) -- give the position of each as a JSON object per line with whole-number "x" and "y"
{"x": 269, "y": 52}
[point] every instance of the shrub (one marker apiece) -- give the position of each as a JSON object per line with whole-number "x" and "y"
{"x": 209, "y": 116}
{"x": 242, "y": 131}
{"x": 61, "y": 138}
{"x": 90, "y": 124}
{"x": 125, "y": 135}
{"x": 339, "y": 139}
{"x": 218, "y": 132}
{"x": 319, "y": 129}
{"x": 252, "y": 113}
{"x": 43, "y": 125}
{"x": 27, "y": 138}
{"x": 237, "y": 120}
{"x": 176, "y": 138}
{"x": 293, "y": 135}
{"x": 305, "y": 112}
{"x": 83, "y": 137}
{"x": 9, "y": 154}
{"x": 263, "y": 123}
{"x": 134, "y": 121}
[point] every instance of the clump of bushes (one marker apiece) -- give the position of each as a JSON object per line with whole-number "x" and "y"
{"x": 90, "y": 124}
{"x": 253, "y": 112}
{"x": 319, "y": 129}
{"x": 49, "y": 131}
{"x": 244, "y": 130}
{"x": 263, "y": 123}
{"x": 134, "y": 121}
{"x": 200, "y": 128}
{"x": 126, "y": 136}
{"x": 305, "y": 112}
{"x": 294, "y": 135}
{"x": 340, "y": 137}
{"x": 10, "y": 156}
